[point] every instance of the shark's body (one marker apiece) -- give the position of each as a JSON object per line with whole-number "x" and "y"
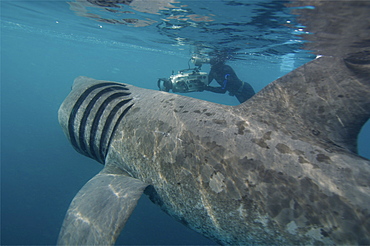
{"x": 280, "y": 168}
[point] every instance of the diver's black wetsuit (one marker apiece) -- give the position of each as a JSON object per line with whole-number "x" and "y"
{"x": 228, "y": 81}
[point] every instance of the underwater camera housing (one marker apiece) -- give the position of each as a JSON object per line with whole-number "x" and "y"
{"x": 187, "y": 80}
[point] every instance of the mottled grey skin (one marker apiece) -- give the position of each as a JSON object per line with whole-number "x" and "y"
{"x": 271, "y": 171}
{"x": 274, "y": 161}
{"x": 280, "y": 168}
{"x": 277, "y": 169}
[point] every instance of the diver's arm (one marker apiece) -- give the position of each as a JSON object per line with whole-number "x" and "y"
{"x": 215, "y": 89}
{"x": 211, "y": 77}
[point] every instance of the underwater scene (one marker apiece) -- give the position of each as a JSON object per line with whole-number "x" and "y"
{"x": 162, "y": 45}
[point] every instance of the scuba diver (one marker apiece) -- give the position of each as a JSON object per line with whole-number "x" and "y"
{"x": 228, "y": 81}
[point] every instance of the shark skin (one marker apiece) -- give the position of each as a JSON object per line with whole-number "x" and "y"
{"x": 280, "y": 168}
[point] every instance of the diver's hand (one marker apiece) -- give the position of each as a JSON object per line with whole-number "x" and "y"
{"x": 206, "y": 88}
{"x": 201, "y": 88}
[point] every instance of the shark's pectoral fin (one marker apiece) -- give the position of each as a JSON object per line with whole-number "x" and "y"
{"x": 100, "y": 210}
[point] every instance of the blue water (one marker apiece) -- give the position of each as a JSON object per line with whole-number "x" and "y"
{"x": 45, "y": 45}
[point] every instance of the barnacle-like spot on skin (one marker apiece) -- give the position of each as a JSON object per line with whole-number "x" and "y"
{"x": 298, "y": 152}
{"x": 282, "y": 148}
{"x": 217, "y": 182}
{"x": 241, "y": 125}
{"x": 321, "y": 110}
{"x": 267, "y": 135}
{"x": 206, "y": 173}
{"x": 323, "y": 158}
{"x": 315, "y": 132}
{"x": 302, "y": 160}
{"x": 134, "y": 110}
{"x": 261, "y": 141}
{"x": 219, "y": 122}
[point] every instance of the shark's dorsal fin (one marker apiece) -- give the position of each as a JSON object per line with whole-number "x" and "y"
{"x": 324, "y": 99}
{"x": 101, "y": 208}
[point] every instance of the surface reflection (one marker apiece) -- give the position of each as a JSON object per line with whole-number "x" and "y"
{"x": 135, "y": 12}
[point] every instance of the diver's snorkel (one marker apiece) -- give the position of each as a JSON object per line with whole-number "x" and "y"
{"x": 198, "y": 61}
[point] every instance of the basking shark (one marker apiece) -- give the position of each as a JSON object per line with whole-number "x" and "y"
{"x": 281, "y": 168}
